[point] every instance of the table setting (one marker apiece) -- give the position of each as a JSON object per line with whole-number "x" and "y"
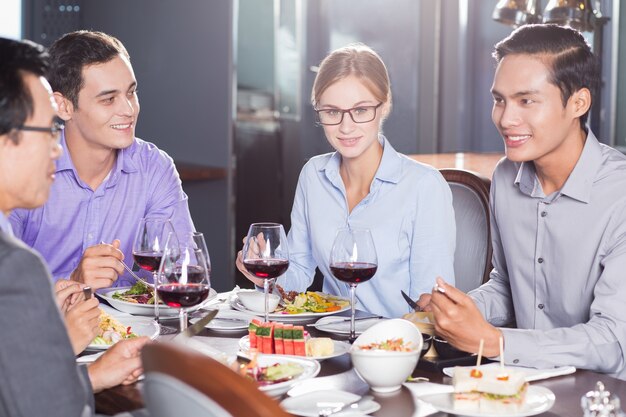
{"x": 314, "y": 353}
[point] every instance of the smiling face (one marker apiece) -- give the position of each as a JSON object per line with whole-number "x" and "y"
{"x": 528, "y": 112}
{"x": 108, "y": 106}
{"x": 27, "y": 167}
{"x": 352, "y": 140}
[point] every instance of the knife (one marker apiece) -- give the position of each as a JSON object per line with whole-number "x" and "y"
{"x": 410, "y": 302}
{"x": 195, "y": 328}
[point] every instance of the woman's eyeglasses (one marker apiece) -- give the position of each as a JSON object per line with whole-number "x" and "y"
{"x": 360, "y": 114}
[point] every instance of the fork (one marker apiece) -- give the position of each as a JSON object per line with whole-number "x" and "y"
{"x": 326, "y": 412}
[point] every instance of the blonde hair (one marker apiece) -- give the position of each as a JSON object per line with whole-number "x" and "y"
{"x": 357, "y": 60}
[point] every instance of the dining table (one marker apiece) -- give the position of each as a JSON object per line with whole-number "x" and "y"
{"x": 338, "y": 374}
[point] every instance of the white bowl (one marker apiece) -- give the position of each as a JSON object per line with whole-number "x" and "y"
{"x": 255, "y": 301}
{"x": 385, "y": 371}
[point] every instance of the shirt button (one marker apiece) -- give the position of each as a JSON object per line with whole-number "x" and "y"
{"x": 540, "y": 306}
{"x": 544, "y": 213}
{"x": 540, "y": 260}
{"x": 515, "y": 360}
{"x": 90, "y": 235}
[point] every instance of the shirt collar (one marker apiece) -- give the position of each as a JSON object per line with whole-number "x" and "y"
{"x": 5, "y": 225}
{"x": 123, "y": 163}
{"x": 389, "y": 169}
{"x": 580, "y": 181}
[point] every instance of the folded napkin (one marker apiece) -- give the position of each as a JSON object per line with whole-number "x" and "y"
{"x": 532, "y": 374}
{"x": 419, "y": 389}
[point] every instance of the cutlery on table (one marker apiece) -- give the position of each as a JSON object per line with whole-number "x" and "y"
{"x": 195, "y": 328}
{"x": 410, "y": 302}
{"x": 334, "y": 409}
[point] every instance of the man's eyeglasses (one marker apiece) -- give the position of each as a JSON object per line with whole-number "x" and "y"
{"x": 360, "y": 114}
{"x": 55, "y": 130}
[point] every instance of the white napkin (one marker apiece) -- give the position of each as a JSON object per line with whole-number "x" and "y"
{"x": 532, "y": 374}
{"x": 419, "y": 389}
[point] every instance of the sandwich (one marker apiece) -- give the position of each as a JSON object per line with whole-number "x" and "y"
{"x": 490, "y": 390}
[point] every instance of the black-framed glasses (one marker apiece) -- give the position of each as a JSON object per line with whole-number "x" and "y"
{"x": 55, "y": 130}
{"x": 359, "y": 114}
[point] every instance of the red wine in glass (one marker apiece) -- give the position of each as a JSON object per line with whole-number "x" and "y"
{"x": 183, "y": 295}
{"x": 266, "y": 268}
{"x": 353, "y": 272}
{"x": 150, "y": 261}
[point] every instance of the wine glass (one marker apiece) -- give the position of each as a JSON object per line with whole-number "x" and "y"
{"x": 266, "y": 254}
{"x": 353, "y": 260}
{"x": 148, "y": 249}
{"x": 183, "y": 280}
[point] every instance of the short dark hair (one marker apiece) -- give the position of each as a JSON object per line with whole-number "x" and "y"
{"x": 18, "y": 58}
{"x": 567, "y": 54}
{"x": 75, "y": 50}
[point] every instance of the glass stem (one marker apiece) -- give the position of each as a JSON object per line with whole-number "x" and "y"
{"x": 156, "y": 297}
{"x": 352, "y": 337}
{"x": 182, "y": 316}
{"x": 266, "y": 289}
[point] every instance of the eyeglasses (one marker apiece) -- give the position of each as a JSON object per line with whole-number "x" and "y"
{"x": 360, "y": 114}
{"x": 55, "y": 130}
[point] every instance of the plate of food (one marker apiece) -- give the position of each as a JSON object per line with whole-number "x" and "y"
{"x": 341, "y": 325}
{"x": 318, "y": 348}
{"x": 276, "y": 374}
{"x": 113, "y": 329}
{"x": 300, "y": 306}
{"x": 492, "y": 392}
{"x": 139, "y": 300}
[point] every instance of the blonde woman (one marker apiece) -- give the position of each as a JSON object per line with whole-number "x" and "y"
{"x": 365, "y": 183}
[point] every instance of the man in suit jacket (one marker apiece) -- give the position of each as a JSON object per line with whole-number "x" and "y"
{"x": 39, "y": 372}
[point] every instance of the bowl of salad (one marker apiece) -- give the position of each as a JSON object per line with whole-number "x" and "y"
{"x": 387, "y": 353}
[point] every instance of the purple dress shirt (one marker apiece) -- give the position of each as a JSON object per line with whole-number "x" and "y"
{"x": 143, "y": 183}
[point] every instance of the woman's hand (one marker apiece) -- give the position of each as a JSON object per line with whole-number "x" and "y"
{"x": 252, "y": 249}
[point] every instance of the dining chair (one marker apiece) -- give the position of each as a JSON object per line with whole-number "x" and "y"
{"x": 470, "y": 199}
{"x": 183, "y": 382}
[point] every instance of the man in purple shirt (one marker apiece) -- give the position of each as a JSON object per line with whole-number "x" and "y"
{"x": 106, "y": 179}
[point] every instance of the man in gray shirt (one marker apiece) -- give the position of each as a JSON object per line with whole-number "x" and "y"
{"x": 558, "y": 210}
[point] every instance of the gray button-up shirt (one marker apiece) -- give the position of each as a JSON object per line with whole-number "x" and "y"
{"x": 560, "y": 264}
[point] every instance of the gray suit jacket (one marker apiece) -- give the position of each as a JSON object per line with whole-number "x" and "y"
{"x": 38, "y": 371}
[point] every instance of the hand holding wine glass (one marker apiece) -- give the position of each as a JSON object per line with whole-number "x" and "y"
{"x": 184, "y": 278}
{"x": 353, "y": 260}
{"x": 266, "y": 254}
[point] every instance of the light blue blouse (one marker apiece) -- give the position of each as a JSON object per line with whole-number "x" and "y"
{"x": 410, "y": 215}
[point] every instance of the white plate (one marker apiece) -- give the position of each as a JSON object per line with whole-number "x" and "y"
{"x": 530, "y": 374}
{"x": 307, "y": 404}
{"x": 228, "y": 320}
{"x": 141, "y": 326}
{"x": 144, "y": 309}
{"x": 280, "y": 316}
{"x": 538, "y": 400}
{"x": 311, "y": 369}
{"x": 340, "y": 349}
{"x": 341, "y": 325}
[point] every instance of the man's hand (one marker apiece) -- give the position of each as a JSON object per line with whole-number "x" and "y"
{"x": 121, "y": 364}
{"x": 100, "y": 265}
{"x": 67, "y": 293}
{"x": 82, "y": 321}
{"x": 460, "y": 322}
